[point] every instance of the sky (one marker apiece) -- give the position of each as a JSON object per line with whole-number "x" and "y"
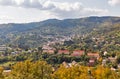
{"x": 25, "y": 11}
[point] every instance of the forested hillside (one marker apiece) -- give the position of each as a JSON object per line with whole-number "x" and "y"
{"x": 34, "y": 34}
{"x": 85, "y": 48}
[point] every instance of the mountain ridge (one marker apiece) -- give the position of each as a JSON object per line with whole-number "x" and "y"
{"x": 24, "y": 32}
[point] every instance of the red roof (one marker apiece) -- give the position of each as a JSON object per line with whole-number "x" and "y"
{"x": 91, "y": 60}
{"x": 63, "y": 52}
{"x": 77, "y": 53}
{"x": 93, "y": 55}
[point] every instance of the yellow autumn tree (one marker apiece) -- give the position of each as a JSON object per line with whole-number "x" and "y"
{"x": 22, "y": 70}
{"x": 1, "y": 73}
{"x": 66, "y": 73}
{"x": 31, "y": 70}
{"x": 74, "y": 72}
{"x": 86, "y": 72}
{"x": 41, "y": 70}
{"x": 104, "y": 73}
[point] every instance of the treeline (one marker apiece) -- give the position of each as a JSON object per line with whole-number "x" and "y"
{"x": 42, "y": 70}
{"x": 53, "y": 59}
{"x": 57, "y": 59}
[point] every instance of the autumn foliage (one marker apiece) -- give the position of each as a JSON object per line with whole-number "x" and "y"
{"x": 42, "y": 70}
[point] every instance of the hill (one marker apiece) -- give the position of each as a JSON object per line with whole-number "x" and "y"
{"x": 36, "y": 33}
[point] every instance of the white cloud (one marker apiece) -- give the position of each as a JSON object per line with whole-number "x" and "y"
{"x": 7, "y": 2}
{"x": 22, "y": 15}
{"x": 95, "y": 11}
{"x": 31, "y": 4}
{"x": 59, "y": 9}
{"x": 114, "y": 2}
{"x": 75, "y": 10}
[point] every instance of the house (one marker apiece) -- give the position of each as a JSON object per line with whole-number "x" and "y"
{"x": 63, "y": 52}
{"x": 50, "y": 51}
{"x": 105, "y": 53}
{"x": 119, "y": 66}
{"x": 93, "y": 55}
{"x": 78, "y": 53}
{"x": 3, "y": 48}
{"x": 6, "y": 71}
{"x": 91, "y": 62}
{"x": 104, "y": 62}
{"x": 67, "y": 65}
{"x": 29, "y": 51}
{"x": 46, "y": 47}
{"x": 15, "y": 52}
{"x": 113, "y": 69}
{"x": 112, "y": 59}
{"x": 74, "y": 63}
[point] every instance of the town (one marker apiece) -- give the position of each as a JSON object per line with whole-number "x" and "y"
{"x": 53, "y": 55}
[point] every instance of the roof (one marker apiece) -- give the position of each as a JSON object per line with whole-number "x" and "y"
{"x": 112, "y": 59}
{"x": 91, "y": 60}
{"x": 93, "y": 54}
{"x": 63, "y": 52}
{"x": 77, "y": 53}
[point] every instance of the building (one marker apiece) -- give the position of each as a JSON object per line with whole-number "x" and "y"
{"x": 91, "y": 62}
{"x": 78, "y": 53}
{"x": 104, "y": 62}
{"x": 93, "y": 55}
{"x": 67, "y": 65}
{"x": 46, "y": 47}
{"x": 3, "y": 48}
{"x": 112, "y": 59}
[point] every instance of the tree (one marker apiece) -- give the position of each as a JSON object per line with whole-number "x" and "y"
{"x": 118, "y": 59}
{"x": 1, "y": 73}
{"x": 74, "y": 72}
{"x": 41, "y": 70}
{"x": 31, "y": 70}
{"x": 104, "y": 73}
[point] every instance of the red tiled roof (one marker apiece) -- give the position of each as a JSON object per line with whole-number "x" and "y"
{"x": 91, "y": 60}
{"x": 93, "y": 54}
{"x": 77, "y": 53}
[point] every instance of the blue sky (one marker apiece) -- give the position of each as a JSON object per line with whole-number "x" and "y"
{"x": 24, "y": 11}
